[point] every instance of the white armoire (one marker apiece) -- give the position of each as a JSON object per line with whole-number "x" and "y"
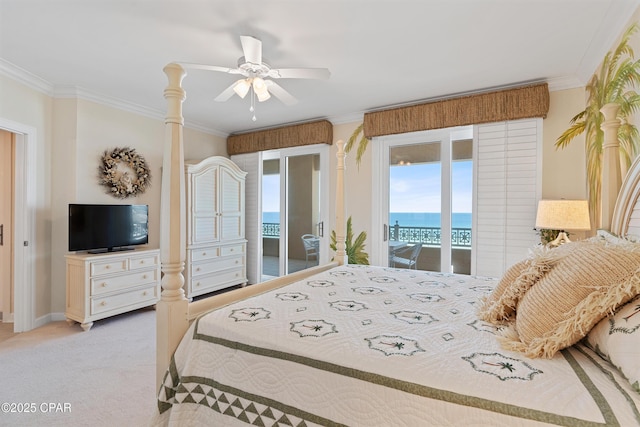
{"x": 216, "y": 244}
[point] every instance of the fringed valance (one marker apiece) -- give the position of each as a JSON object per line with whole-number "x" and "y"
{"x": 319, "y": 132}
{"x": 509, "y": 104}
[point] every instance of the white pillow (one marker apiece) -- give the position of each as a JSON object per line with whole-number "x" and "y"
{"x": 616, "y": 338}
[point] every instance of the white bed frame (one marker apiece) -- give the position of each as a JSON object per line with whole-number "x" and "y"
{"x": 174, "y": 313}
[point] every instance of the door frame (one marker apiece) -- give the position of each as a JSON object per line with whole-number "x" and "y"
{"x": 323, "y": 151}
{"x": 380, "y": 182}
{"x": 24, "y": 236}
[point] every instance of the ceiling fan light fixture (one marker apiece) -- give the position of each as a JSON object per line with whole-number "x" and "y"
{"x": 242, "y": 87}
{"x": 260, "y": 88}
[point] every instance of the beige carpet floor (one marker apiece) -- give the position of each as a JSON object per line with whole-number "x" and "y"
{"x": 103, "y": 377}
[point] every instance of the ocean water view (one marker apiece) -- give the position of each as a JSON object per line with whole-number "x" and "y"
{"x": 405, "y": 219}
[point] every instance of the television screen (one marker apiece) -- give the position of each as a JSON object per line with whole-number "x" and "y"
{"x": 102, "y": 228}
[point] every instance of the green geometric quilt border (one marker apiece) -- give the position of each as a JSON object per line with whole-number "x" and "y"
{"x": 433, "y": 393}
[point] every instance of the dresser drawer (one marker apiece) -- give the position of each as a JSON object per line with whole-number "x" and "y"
{"x": 204, "y": 254}
{"x": 125, "y": 299}
{"x": 203, "y": 268}
{"x": 232, "y": 250}
{"x": 201, "y": 285}
{"x": 98, "y": 268}
{"x": 148, "y": 261}
{"x": 115, "y": 283}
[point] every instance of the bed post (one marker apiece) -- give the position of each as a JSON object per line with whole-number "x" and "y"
{"x": 341, "y": 254}
{"x": 172, "y": 309}
{"x": 611, "y": 171}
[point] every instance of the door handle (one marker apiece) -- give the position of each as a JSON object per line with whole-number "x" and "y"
{"x": 384, "y": 233}
{"x": 1, "y": 234}
{"x": 321, "y": 229}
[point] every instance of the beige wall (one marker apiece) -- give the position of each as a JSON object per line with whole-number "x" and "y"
{"x": 72, "y": 134}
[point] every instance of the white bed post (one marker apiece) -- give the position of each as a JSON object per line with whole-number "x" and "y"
{"x": 611, "y": 171}
{"x": 172, "y": 309}
{"x": 341, "y": 254}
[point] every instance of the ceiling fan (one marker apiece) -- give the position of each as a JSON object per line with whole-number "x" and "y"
{"x": 257, "y": 75}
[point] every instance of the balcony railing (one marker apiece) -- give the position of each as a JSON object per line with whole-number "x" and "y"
{"x": 430, "y": 236}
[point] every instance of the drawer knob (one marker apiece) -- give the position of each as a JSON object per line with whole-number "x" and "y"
{"x": 237, "y": 261}
{"x": 103, "y": 303}
{"x": 204, "y": 254}
{"x": 144, "y": 294}
{"x": 103, "y": 284}
{"x": 197, "y": 268}
{"x": 141, "y": 261}
{"x": 144, "y": 276}
{"x": 198, "y": 284}
{"x": 106, "y": 267}
{"x": 231, "y": 250}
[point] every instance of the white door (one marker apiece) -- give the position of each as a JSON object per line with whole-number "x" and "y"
{"x": 6, "y": 224}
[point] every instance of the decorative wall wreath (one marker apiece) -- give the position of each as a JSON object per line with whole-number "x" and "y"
{"x": 124, "y": 172}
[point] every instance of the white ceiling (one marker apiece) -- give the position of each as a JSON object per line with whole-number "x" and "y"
{"x": 380, "y": 52}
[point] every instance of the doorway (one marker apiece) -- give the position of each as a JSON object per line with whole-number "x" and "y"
{"x": 22, "y": 244}
{"x": 294, "y": 197}
{"x": 7, "y": 172}
{"x": 425, "y": 200}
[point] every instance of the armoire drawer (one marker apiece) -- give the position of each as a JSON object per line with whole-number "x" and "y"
{"x": 203, "y": 268}
{"x": 200, "y": 285}
{"x": 203, "y": 254}
{"x": 232, "y": 250}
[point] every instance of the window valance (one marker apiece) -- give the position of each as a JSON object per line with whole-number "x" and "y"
{"x": 318, "y": 132}
{"x": 508, "y": 104}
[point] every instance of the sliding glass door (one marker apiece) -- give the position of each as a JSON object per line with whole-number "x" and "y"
{"x": 294, "y": 198}
{"x": 424, "y": 200}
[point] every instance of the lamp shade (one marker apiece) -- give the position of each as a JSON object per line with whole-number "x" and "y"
{"x": 563, "y": 215}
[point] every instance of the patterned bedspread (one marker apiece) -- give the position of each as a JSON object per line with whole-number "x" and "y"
{"x": 372, "y": 346}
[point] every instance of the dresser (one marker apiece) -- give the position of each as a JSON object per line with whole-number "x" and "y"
{"x": 216, "y": 244}
{"x": 103, "y": 285}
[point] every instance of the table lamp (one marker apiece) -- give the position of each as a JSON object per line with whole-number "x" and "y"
{"x": 563, "y": 215}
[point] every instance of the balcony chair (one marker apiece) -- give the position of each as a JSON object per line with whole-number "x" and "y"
{"x": 410, "y": 258}
{"x": 311, "y": 247}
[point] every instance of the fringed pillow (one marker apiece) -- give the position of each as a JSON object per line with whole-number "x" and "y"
{"x": 589, "y": 282}
{"x": 616, "y": 339}
{"x": 500, "y": 305}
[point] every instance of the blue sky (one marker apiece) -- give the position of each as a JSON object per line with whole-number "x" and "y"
{"x": 414, "y": 188}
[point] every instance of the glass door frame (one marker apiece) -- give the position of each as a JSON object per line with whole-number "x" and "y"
{"x": 282, "y": 154}
{"x": 380, "y": 199}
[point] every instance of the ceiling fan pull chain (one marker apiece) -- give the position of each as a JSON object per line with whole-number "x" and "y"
{"x": 253, "y": 103}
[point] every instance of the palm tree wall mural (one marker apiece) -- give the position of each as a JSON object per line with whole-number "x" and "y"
{"x": 614, "y": 82}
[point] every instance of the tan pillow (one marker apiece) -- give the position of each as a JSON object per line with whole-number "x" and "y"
{"x": 501, "y": 304}
{"x": 591, "y": 281}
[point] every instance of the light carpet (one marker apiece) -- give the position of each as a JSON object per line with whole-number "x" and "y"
{"x": 103, "y": 377}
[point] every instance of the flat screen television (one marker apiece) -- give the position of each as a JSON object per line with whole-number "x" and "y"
{"x": 107, "y": 228}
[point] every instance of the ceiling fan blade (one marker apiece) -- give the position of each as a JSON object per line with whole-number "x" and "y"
{"x": 210, "y": 68}
{"x": 252, "y": 48}
{"x": 226, "y": 94}
{"x": 277, "y": 91}
{"x": 300, "y": 73}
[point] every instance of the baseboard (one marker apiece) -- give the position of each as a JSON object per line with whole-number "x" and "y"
{"x": 48, "y": 318}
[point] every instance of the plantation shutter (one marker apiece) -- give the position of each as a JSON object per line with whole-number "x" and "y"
{"x": 507, "y": 186}
{"x": 252, "y": 164}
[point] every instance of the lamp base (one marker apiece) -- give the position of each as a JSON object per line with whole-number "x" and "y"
{"x": 561, "y": 239}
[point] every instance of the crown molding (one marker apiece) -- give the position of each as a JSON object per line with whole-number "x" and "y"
{"x": 25, "y": 77}
{"x": 74, "y": 92}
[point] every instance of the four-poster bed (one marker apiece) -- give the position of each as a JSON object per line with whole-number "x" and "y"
{"x": 342, "y": 344}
